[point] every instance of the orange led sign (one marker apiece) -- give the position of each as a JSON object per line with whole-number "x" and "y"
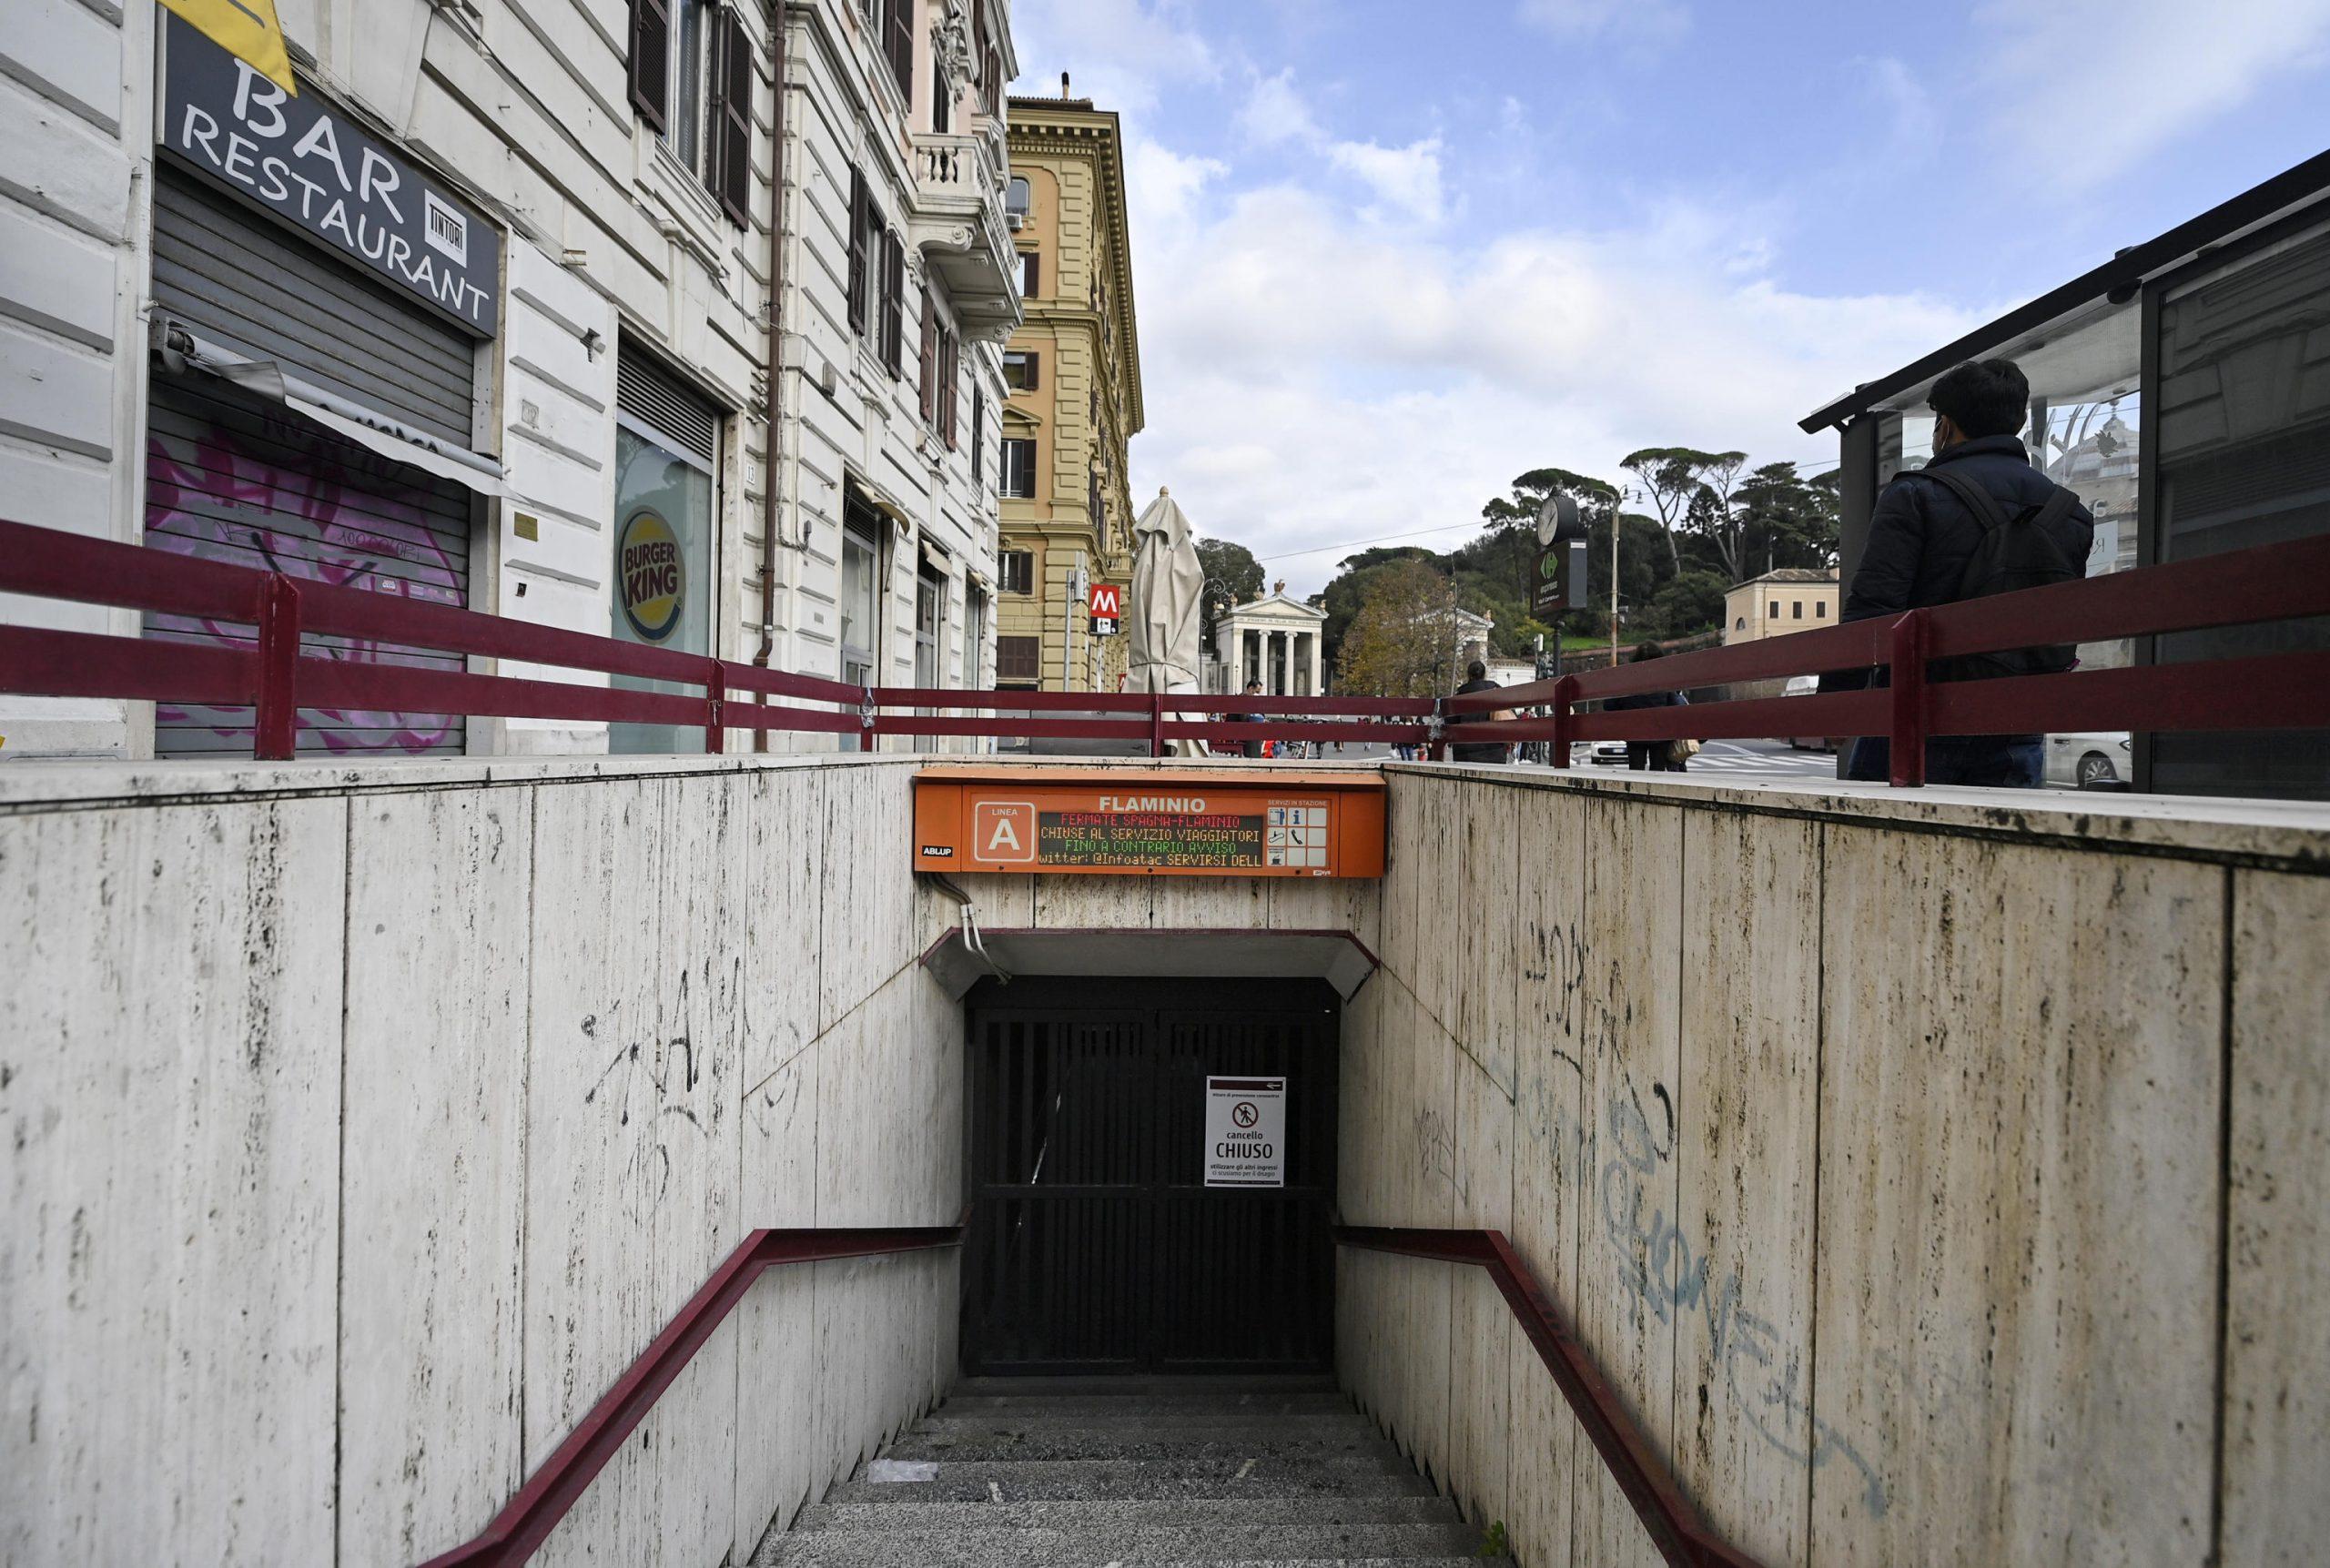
{"x": 1136, "y": 821}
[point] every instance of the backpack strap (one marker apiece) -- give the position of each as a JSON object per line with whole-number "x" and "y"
{"x": 1979, "y": 501}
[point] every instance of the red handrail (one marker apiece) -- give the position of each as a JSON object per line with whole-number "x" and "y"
{"x": 1675, "y": 1526}
{"x": 527, "y": 1521}
{"x": 268, "y": 673}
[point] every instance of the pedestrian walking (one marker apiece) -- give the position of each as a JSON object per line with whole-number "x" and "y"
{"x": 1656, "y": 756}
{"x": 1476, "y": 679}
{"x": 1251, "y": 748}
{"x": 1978, "y": 519}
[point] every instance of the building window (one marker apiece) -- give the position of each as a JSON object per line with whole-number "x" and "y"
{"x": 1018, "y": 568}
{"x": 978, "y": 435}
{"x": 1019, "y": 372}
{"x": 942, "y": 102}
{"x": 929, "y": 624}
{"x": 1030, "y": 273}
{"x": 893, "y": 304}
{"x": 1820, "y": 609}
{"x": 1740, "y": 624}
{"x": 691, "y": 82}
{"x": 861, "y": 583}
{"x": 974, "y": 636}
{"x": 1018, "y": 661}
{"x": 1018, "y": 198}
{"x": 1020, "y": 467}
{"x": 1796, "y": 611}
{"x": 1776, "y": 611}
{"x": 897, "y": 43}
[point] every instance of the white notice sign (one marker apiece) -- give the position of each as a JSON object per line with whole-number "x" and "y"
{"x": 1245, "y": 1132}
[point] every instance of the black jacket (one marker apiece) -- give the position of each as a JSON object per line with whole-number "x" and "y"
{"x": 1479, "y": 751}
{"x": 1921, "y": 535}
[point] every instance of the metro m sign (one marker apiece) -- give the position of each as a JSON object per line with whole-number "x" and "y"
{"x": 1106, "y": 602}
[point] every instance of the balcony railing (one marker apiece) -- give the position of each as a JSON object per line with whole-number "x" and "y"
{"x": 959, "y": 223}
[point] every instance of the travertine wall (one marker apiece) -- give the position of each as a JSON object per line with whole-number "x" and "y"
{"x": 1940, "y": 1181}
{"x": 363, "y": 1124}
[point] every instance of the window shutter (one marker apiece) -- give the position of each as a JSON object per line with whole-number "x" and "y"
{"x": 731, "y": 121}
{"x": 859, "y": 250}
{"x": 893, "y": 304}
{"x": 901, "y": 46}
{"x": 1029, "y": 384}
{"x": 949, "y": 372}
{"x": 651, "y": 63}
{"x": 929, "y": 360}
{"x": 979, "y": 434}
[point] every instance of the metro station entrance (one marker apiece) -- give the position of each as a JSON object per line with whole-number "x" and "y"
{"x": 1097, "y": 1244}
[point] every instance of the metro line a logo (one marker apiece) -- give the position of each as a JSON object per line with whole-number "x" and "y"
{"x": 1004, "y": 831}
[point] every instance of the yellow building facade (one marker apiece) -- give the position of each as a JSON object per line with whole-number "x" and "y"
{"x": 1073, "y": 377}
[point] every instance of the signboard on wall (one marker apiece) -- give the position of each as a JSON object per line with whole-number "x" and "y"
{"x": 315, "y": 168}
{"x": 1145, "y": 823}
{"x": 1245, "y": 1132}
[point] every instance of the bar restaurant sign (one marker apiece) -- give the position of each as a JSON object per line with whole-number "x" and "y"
{"x": 1139, "y": 822}
{"x": 311, "y": 165}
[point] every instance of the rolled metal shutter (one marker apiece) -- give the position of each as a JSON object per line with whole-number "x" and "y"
{"x": 234, "y": 478}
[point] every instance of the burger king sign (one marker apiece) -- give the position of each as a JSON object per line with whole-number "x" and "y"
{"x": 653, "y": 575}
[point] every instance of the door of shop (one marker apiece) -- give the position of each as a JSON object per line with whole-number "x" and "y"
{"x": 1095, "y": 1245}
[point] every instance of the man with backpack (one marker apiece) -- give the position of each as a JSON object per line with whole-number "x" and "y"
{"x": 1977, "y": 520}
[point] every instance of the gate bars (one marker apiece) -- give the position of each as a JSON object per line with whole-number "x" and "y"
{"x": 265, "y": 668}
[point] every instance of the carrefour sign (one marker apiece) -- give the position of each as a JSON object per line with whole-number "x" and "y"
{"x": 311, "y": 165}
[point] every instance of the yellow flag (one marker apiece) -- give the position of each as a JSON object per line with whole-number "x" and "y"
{"x": 246, "y": 29}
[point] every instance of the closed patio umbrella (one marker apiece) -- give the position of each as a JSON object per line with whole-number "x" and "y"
{"x": 1168, "y": 591}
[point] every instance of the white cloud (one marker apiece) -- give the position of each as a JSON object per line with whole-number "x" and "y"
{"x": 1313, "y": 378}
{"x": 1122, "y": 54}
{"x": 2085, "y": 88}
{"x": 1275, "y": 112}
{"x": 1648, "y": 21}
{"x": 1404, "y": 179}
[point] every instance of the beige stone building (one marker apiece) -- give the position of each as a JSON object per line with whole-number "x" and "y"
{"x": 1073, "y": 376}
{"x": 1793, "y": 599}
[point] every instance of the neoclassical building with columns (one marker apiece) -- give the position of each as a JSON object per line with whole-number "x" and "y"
{"x": 1274, "y": 639}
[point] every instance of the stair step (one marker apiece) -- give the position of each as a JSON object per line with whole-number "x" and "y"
{"x": 1023, "y": 1418}
{"x": 1296, "y": 1401}
{"x": 1164, "y": 1385}
{"x": 1106, "y": 1517}
{"x": 1101, "y": 1480}
{"x": 1135, "y": 1439}
{"x": 1096, "y": 1548}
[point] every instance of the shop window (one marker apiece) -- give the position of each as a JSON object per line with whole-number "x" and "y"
{"x": 1018, "y": 568}
{"x": 929, "y": 624}
{"x": 662, "y": 563}
{"x": 1020, "y": 468}
{"x": 861, "y": 583}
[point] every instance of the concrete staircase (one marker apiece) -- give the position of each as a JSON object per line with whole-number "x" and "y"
{"x": 1134, "y": 1472}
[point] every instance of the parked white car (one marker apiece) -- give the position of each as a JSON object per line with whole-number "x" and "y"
{"x": 2088, "y": 759}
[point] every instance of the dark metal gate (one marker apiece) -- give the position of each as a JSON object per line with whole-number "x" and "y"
{"x": 1095, "y": 1245}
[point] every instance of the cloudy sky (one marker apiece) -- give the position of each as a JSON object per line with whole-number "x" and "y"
{"x": 1389, "y": 254}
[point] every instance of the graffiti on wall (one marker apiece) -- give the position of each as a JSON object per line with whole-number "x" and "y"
{"x": 344, "y": 516}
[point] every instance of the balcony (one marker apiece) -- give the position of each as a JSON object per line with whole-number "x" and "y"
{"x": 958, "y": 224}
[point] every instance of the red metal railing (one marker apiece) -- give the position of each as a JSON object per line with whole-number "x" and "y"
{"x": 272, "y": 675}
{"x": 1675, "y": 1526}
{"x": 2240, "y": 588}
{"x": 520, "y": 1528}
